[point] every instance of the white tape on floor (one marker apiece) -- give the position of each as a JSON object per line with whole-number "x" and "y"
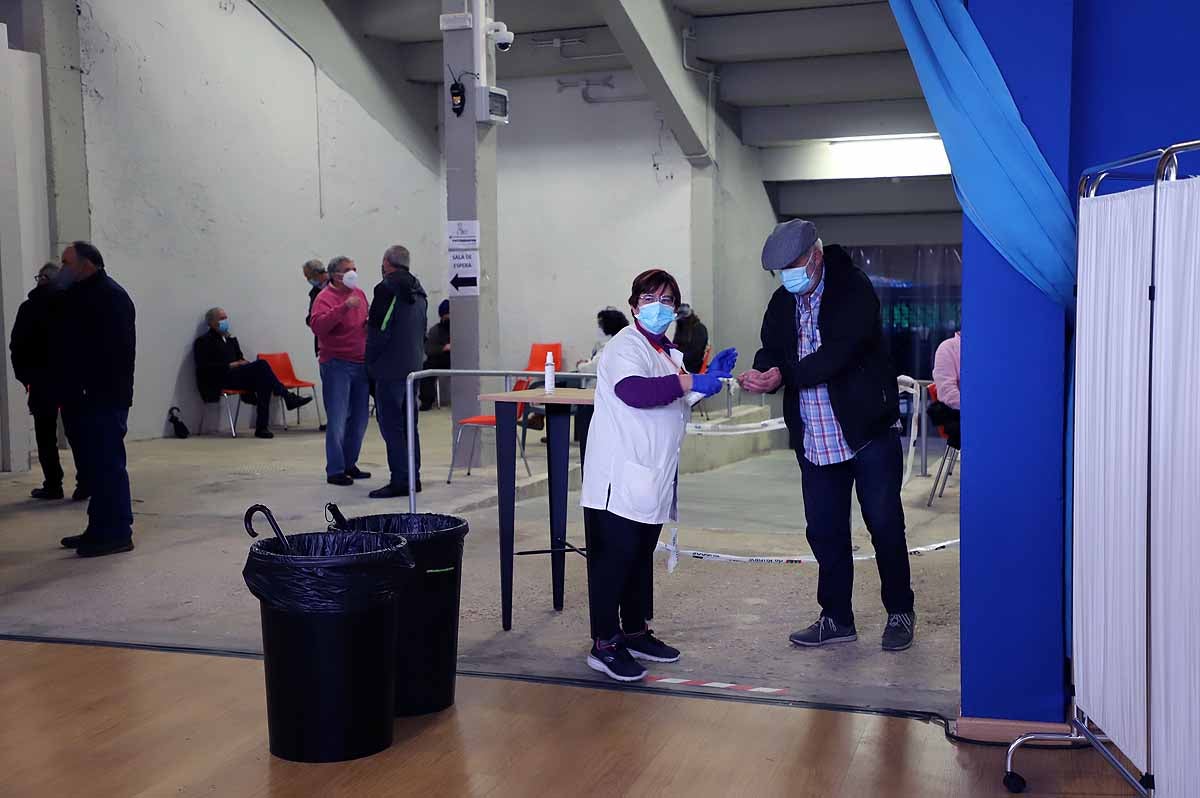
{"x": 800, "y": 559}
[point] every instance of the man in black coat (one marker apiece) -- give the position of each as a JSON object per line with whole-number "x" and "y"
{"x": 221, "y": 365}
{"x": 91, "y": 364}
{"x": 395, "y": 347}
{"x": 30, "y": 348}
{"x": 822, "y": 340}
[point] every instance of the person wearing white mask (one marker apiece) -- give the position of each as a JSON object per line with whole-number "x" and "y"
{"x": 642, "y": 405}
{"x": 339, "y": 319}
{"x": 822, "y": 341}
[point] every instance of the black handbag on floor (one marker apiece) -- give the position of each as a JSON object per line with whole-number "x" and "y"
{"x": 181, "y": 430}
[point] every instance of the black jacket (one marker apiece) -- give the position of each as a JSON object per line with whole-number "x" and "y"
{"x": 29, "y": 344}
{"x": 853, "y": 358}
{"x": 93, "y": 343}
{"x": 692, "y": 340}
{"x": 312, "y": 297}
{"x": 396, "y": 327}
{"x": 213, "y": 353}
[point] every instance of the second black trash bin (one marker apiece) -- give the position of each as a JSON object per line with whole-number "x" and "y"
{"x": 427, "y": 629}
{"x": 329, "y": 610}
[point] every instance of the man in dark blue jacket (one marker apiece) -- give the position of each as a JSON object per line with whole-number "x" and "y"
{"x": 92, "y": 356}
{"x": 822, "y": 340}
{"x": 396, "y": 348}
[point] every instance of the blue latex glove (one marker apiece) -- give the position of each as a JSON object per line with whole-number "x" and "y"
{"x": 724, "y": 362}
{"x": 707, "y": 384}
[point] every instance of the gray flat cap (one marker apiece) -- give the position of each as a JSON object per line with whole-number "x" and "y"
{"x": 788, "y": 242}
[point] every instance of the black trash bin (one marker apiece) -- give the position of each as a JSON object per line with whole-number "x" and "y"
{"x": 329, "y": 611}
{"x": 427, "y": 630}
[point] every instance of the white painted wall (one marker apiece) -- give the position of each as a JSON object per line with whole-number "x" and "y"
{"x": 583, "y": 210}
{"x": 202, "y": 140}
{"x": 24, "y": 227}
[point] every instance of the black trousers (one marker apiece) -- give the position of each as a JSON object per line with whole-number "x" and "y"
{"x": 875, "y": 472}
{"x": 97, "y": 436}
{"x": 45, "y": 429}
{"x": 620, "y": 558}
{"x": 257, "y": 378}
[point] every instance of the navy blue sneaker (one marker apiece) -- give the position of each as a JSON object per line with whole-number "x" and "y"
{"x": 644, "y": 645}
{"x": 613, "y": 659}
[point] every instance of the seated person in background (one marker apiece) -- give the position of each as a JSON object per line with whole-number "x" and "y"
{"x": 609, "y": 322}
{"x": 437, "y": 353}
{"x": 220, "y": 365}
{"x": 691, "y": 336}
{"x": 946, "y": 364}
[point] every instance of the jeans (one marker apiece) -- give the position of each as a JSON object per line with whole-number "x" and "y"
{"x": 345, "y": 390}
{"x": 390, "y": 412}
{"x": 98, "y": 438}
{"x": 619, "y": 569}
{"x": 876, "y": 472}
{"x": 258, "y": 378}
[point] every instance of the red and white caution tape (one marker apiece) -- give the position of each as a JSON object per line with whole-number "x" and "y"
{"x": 741, "y": 688}
{"x": 722, "y": 430}
{"x": 673, "y": 551}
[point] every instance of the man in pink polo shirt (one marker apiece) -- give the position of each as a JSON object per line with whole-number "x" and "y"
{"x": 339, "y": 319}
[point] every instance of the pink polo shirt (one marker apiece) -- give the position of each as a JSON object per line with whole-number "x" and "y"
{"x": 341, "y": 330}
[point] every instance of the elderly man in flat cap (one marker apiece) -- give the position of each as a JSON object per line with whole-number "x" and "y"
{"x": 822, "y": 341}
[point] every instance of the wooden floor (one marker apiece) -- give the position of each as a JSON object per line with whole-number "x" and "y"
{"x": 84, "y": 721}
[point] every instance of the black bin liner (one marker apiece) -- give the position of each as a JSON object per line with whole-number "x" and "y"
{"x": 329, "y": 613}
{"x": 427, "y": 630}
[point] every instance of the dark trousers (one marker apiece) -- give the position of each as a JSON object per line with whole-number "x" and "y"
{"x": 620, "y": 558}
{"x": 428, "y": 389}
{"x": 875, "y": 473}
{"x": 258, "y": 378}
{"x": 97, "y": 436}
{"x": 391, "y": 413}
{"x": 45, "y": 429}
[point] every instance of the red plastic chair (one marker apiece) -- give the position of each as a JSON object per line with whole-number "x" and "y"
{"x": 281, "y": 364}
{"x": 537, "y": 356}
{"x": 948, "y": 459}
{"x": 479, "y": 423}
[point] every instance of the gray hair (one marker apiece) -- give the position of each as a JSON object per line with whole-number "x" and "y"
{"x": 210, "y": 315}
{"x": 335, "y": 265}
{"x": 397, "y": 256}
{"x": 314, "y": 266}
{"x": 49, "y": 269}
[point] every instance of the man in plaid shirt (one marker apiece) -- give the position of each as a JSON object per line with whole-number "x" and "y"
{"x": 822, "y": 341}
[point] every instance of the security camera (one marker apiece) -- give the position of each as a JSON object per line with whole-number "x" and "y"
{"x": 502, "y": 35}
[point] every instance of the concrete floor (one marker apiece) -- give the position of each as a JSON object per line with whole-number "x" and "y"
{"x": 182, "y": 585}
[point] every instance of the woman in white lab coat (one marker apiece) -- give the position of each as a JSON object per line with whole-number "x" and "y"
{"x": 643, "y": 400}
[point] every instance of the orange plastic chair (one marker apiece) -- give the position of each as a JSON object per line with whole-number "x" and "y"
{"x": 948, "y": 459}
{"x": 537, "y": 356}
{"x": 281, "y": 364}
{"x": 707, "y": 359}
{"x": 479, "y": 423}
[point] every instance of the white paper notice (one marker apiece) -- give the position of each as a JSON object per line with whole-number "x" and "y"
{"x": 462, "y": 234}
{"x": 463, "y": 275}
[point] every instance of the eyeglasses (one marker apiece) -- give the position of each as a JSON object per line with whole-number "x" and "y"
{"x": 650, "y": 299}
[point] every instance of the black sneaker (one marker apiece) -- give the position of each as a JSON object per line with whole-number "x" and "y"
{"x": 74, "y": 541}
{"x": 826, "y": 630}
{"x": 610, "y": 657}
{"x": 898, "y": 634}
{"x": 354, "y": 473}
{"x": 81, "y": 494}
{"x": 264, "y": 433}
{"x": 292, "y": 400}
{"x": 644, "y": 645}
{"x": 47, "y": 494}
{"x": 339, "y": 479}
{"x": 104, "y": 548}
{"x": 392, "y": 491}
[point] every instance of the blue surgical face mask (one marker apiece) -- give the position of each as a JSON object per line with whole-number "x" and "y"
{"x": 223, "y": 326}
{"x": 796, "y": 281}
{"x": 314, "y": 282}
{"x": 656, "y": 318}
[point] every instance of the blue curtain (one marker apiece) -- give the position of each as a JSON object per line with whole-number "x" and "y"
{"x": 1002, "y": 179}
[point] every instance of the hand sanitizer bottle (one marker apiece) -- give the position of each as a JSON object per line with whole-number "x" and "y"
{"x": 549, "y": 372}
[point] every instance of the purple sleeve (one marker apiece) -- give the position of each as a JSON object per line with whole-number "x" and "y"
{"x": 649, "y": 391}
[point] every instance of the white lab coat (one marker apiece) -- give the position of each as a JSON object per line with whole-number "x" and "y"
{"x": 633, "y": 453}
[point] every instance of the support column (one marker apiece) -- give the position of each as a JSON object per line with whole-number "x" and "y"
{"x": 470, "y": 151}
{"x": 52, "y": 30}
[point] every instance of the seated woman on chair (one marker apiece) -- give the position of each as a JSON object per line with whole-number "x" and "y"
{"x": 643, "y": 396}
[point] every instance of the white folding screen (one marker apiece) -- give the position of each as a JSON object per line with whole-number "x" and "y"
{"x": 1175, "y": 494}
{"x": 1111, "y": 379}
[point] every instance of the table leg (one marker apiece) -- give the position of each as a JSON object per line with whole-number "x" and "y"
{"x": 506, "y": 487}
{"x": 558, "y": 432}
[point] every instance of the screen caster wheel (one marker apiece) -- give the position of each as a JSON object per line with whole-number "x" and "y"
{"x": 1014, "y": 782}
